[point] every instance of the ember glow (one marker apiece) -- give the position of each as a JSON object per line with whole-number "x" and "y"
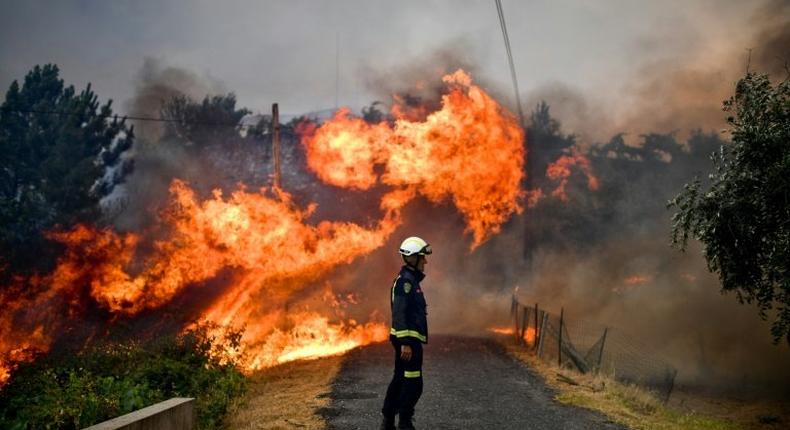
{"x": 501, "y": 330}
{"x": 638, "y": 279}
{"x": 252, "y": 252}
{"x": 529, "y": 333}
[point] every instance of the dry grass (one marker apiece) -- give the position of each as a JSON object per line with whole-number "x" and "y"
{"x": 625, "y": 404}
{"x": 287, "y": 396}
{"x": 750, "y": 414}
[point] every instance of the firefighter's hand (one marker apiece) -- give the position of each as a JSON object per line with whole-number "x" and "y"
{"x": 405, "y": 352}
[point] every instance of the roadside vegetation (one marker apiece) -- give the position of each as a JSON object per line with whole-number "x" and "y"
{"x": 629, "y": 405}
{"x": 72, "y": 391}
{"x": 291, "y": 395}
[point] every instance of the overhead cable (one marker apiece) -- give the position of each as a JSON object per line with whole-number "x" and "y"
{"x": 134, "y": 118}
{"x": 502, "y": 24}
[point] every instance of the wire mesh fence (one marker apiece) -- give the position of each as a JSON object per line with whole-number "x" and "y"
{"x": 590, "y": 347}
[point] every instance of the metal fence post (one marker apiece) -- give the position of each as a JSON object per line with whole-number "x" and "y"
{"x": 603, "y": 342}
{"x": 543, "y": 323}
{"x": 624, "y": 352}
{"x": 512, "y": 304}
{"x": 559, "y": 338}
{"x": 515, "y": 321}
{"x": 671, "y": 384}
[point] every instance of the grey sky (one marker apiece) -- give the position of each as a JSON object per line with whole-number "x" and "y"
{"x": 284, "y": 51}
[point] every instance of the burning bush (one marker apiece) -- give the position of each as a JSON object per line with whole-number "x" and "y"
{"x": 81, "y": 389}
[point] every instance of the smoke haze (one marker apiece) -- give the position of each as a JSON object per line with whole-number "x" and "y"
{"x": 604, "y": 69}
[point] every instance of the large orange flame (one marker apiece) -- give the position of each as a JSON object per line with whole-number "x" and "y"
{"x": 469, "y": 151}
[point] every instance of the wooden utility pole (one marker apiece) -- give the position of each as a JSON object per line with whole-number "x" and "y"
{"x": 276, "y": 143}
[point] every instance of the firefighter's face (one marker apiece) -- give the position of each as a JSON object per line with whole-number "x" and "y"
{"x": 421, "y": 262}
{"x": 417, "y": 261}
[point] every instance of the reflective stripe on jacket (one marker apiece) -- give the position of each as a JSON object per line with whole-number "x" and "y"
{"x": 409, "y": 315}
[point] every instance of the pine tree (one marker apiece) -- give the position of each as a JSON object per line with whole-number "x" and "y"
{"x": 61, "y": 152}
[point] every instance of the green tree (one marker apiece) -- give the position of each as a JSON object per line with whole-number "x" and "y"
{"x": 201, "y": 123}
{"x": 60, "y": 154}
{"x": 742, "y": 217}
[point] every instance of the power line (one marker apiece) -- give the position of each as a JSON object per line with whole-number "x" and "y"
{"x": 528, "y": 180}
{"x": 134, "y": 118}
{"x": 502, "y": 24}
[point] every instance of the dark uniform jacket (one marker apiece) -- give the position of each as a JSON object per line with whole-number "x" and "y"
{"x": 409, "y": 315}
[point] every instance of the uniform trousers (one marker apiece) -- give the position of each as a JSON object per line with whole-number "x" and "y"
{"x": 405, "y": 388}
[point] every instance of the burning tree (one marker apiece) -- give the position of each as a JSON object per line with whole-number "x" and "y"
{"x": 743, "y": 217}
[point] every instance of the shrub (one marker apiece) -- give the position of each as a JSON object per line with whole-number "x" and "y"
{"x": 65, "y": 391}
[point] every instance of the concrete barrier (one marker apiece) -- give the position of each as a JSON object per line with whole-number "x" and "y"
{"x": 177, "y": 413}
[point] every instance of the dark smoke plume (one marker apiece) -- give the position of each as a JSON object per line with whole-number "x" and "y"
{"x": 158, "y": 83}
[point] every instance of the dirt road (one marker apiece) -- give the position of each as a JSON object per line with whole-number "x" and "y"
{"x": 470, "y": 383}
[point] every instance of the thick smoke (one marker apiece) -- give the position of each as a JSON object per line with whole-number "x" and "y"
{"x": 771, "y": 52}
{"x": 221, "y": 160}
{"x": 419, "y": 80}
{"x": 157, "y": 83}
{"x": 680, "y": 91}
{"x": 607, "y": 256}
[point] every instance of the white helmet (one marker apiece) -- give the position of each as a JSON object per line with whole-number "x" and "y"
{"x": 414, "y": 246}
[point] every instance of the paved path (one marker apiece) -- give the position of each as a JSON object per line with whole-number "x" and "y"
{"x": 470, "y": 383}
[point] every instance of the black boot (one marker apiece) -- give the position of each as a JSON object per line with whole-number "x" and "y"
{"x": 405, "y": 423}
{"x": 388, "y": 423}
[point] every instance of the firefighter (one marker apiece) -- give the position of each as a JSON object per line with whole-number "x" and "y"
{"x": 409, "y": 331}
